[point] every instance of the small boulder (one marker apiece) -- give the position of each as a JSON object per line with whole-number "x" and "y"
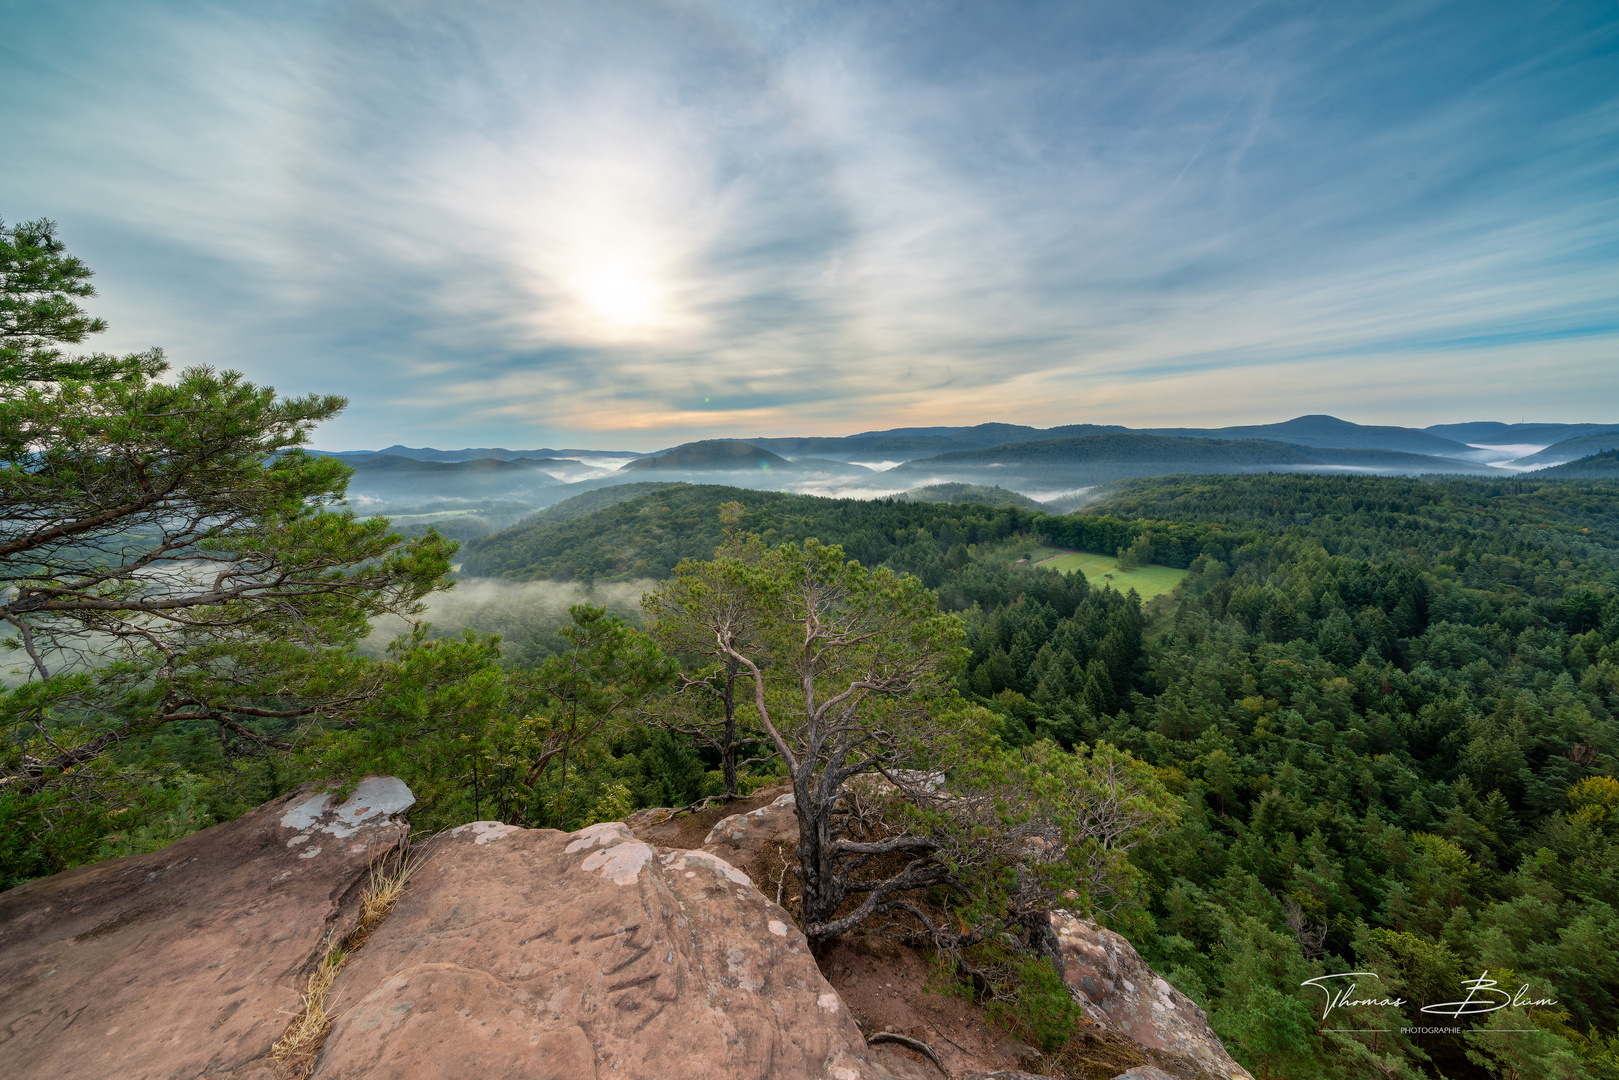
{"x": 187, "y": 962}
{"x": 742, "y": 838}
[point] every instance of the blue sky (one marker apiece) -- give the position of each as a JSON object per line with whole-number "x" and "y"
{"x": 631, "y": 224}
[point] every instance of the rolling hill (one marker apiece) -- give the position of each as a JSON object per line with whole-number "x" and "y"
{"x": 711, "y": 455}
{"x": 976, "y": 494}
{"x": 1494, "y": 433}
{"x": 1329, "y": 432}
{"x": 905, "y": 444}
{"x": 1597, "y": 466}
{"x": 1571, "y": 450}
{"x": 392, "y": 478}
{"x": 1035, "y": 463}
{"x": 1098, "y": 459}
{"x": 499, "y": 453}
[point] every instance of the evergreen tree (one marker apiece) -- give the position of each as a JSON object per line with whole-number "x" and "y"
{"x": 168, "y": 556}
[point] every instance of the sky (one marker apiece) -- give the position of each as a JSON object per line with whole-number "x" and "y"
{"x": 629, "y": 224}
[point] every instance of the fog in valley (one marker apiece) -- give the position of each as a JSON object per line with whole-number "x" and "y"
{"x": 528, "y": 615}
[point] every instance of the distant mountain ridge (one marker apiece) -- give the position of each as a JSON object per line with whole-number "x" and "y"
{"x": 1057, "y": 463}
{"x": 1313, "y": 430}
{"x": 390, "y": 477}
{"x": 1493, "y": 433}
{"x": 497, "y": 453}
{"x": 905, "y": 443}
{"x": 385, "y": 463}
{"x": 1099, "y": 459}
{"x": 1317, "y": 431}
{"x": 1332, "y": 433}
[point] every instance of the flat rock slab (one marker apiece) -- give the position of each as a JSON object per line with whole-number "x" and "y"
{"x": 570, "y": 956}
{"x": 186, "y": 962}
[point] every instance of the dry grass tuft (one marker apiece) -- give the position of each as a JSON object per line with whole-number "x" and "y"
{"x": 294, "y": 1053}
{"x": 381, "y": 894}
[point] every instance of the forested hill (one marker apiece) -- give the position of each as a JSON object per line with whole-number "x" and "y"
{"x": 1604, "y": 464}
{"x": 711, "y": 454}
{"x": 1100, "y": 458}
{"x": 1503, "y": 531}
{"x": 648, "y": 535}
{"x": 1570, "y": 450}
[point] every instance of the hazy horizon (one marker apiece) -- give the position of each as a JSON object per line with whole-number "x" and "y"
{"x": 605, "y": 447}
{"x": 639, "y": 224}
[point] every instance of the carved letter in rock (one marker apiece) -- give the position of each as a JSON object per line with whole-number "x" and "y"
{"x": 186, "y": 962}
{"x": 554, "y": 956}
{"x": 1119, "y": 992}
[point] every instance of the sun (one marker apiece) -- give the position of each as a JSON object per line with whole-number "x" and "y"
{"x": 624, "y": 296}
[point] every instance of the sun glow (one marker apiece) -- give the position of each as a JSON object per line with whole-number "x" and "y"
{"x": 612, "y": 266}
{"x": 624, "y": 295}
{"x": 602, "y": 222}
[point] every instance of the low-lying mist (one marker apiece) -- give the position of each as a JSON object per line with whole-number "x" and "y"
{"x": 528, "y": 615}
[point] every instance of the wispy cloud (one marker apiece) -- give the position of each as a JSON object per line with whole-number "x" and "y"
{"x": 637, "y": 222}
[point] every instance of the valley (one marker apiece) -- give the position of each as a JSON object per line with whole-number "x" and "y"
{"x": 1060, "y": 469}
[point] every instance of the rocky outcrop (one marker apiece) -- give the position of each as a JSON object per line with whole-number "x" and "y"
{"x": 512, "y": 953}
{"x": 1121, "y": 994}
{"x": 187, "y": 962}
{"x": 538, "y": 954}
{"x": 743, "y": 839}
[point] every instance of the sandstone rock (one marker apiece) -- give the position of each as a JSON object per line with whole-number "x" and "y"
{"x": 1144, "y": 1072}
{"x": 649, "y": 817}
{"x": 539, "y": 954}
{"x": 186, "y": 962}
{"x": 1119, "y": 992}
{"x": 741, "y": 838}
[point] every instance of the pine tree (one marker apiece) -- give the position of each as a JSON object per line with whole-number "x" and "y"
{"x": 167, "y": 552}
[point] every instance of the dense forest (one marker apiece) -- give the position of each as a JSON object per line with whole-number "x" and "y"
{"x": 1388, "y": 705}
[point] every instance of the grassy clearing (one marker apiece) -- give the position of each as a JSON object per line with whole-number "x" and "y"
{"x": 1149, "y": 581}
{"x": 434, "y": 515}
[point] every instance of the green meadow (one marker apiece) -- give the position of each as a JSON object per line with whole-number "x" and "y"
{"x": 1149, "y": 581}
